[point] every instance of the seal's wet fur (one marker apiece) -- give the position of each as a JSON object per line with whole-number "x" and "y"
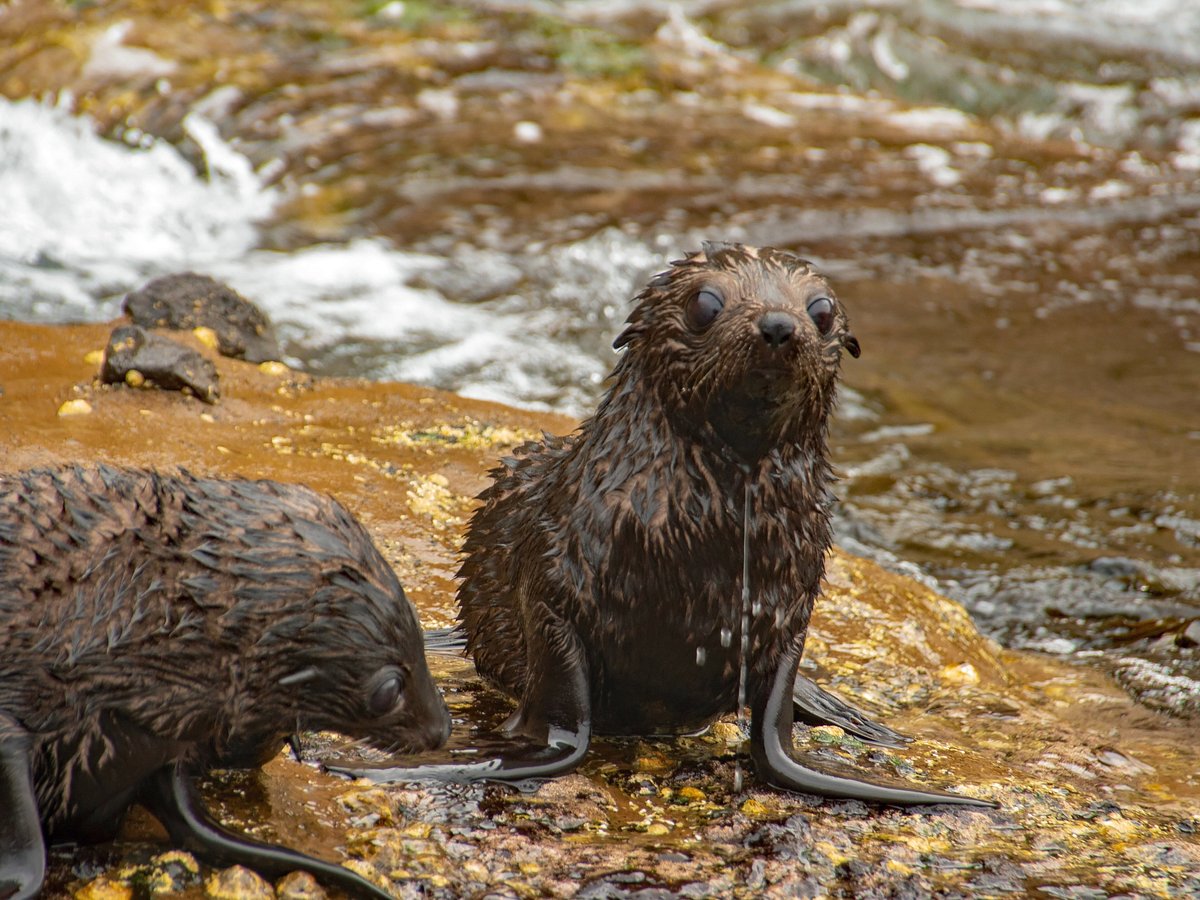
{"x": 630, "y": 530}
{"x": 150, "y": 621}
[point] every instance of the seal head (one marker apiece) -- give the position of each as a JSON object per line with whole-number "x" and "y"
{"x": 743, "y": 345}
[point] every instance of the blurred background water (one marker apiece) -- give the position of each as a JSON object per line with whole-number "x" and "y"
{"x": 1006, "y": 194}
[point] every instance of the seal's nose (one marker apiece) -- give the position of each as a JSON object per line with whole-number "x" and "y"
{"x": 777, "y": 328}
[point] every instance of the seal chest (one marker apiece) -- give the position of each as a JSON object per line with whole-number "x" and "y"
{"x": 153, "y": 625}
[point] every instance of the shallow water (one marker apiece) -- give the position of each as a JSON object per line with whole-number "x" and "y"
{"x": 467, "y": 197}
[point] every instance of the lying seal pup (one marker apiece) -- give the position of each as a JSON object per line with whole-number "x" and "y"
{"x": 152, "y": 626}
{"x": 604, "y": 572}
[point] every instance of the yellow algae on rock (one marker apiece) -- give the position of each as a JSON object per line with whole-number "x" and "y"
{"x": 429, "y": 496}
{"x": 755, "y": 808}
{"x": 134, "y": 378}
{"x": 470, "y": 435}
{"x": 103, "y": 888}
{"x": 238, "y": 883}
{"x": 273, "y": 367}
{"x": 963, "y": 673}
{"x": 373, "y": 804}
{"x": 727, "y": 731}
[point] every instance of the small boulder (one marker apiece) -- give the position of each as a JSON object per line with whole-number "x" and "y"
{"x": 139, "y": 358}
{"x": 186, "y": 300}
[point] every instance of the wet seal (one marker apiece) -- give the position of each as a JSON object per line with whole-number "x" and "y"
{"x": 617, "y": 580}
{"x": 152, "y": 626}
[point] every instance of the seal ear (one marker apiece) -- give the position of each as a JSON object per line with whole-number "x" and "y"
{"x": 850, "y": 342}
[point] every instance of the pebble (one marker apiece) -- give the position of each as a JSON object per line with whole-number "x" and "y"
{"x": 299, "y": 886}
{"x": 207, "y": 337}
{"x": 1191, "y": 635}
{"x": 75, "y": 408}
{"x": 238, "y": 883}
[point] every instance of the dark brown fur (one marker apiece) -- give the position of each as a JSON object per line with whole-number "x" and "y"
{"x": 630, "y": 531}
{"x": 147, "y": 619}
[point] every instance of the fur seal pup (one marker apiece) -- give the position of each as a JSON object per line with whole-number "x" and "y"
{"x": 152, "y": 626}
{"x": 603, "y": 579}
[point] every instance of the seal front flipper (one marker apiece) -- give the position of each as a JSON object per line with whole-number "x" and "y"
{"x": 522, "y": 770}
{"x": 170, "y": 796}
{"x": 444, "y": 640}
{"x": 555, "y": 712}
{"x": 22, "y": 847}
{"x": 771, "y": 743}
{"x": 813, "y": 705}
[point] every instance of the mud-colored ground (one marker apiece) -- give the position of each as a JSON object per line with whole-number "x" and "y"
{"x": 1099, "y": 796}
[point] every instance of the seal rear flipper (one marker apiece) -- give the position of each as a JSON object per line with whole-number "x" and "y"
{"x": 813, "y": 705}
{"x": 171, "y": 797}
{"x": 22, "y": 847}
{"x": 771, "y": 743}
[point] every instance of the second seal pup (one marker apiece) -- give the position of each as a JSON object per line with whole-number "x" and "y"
{"x": 153, "y": 625}
{"x": 604, "y": 574}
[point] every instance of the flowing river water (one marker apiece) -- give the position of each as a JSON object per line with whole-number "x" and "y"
{"x": 1005, "y": 194}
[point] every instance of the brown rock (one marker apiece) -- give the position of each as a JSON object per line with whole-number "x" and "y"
{"x": 186, "y": 300}
{"x": 140, "y": 358}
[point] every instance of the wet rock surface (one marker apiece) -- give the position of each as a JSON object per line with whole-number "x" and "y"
{"x": 1099, "y": 795}
{"x": 1005, "y": 195}
{"x": 142, "y": 359}
{"x": 185, "y": 301}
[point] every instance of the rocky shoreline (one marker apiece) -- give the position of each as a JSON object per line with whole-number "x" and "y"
{"x": 1099, "y": 796}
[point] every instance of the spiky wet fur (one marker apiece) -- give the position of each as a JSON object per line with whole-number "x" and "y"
{"x": 146, "y": 616}
{"x": 630, "y": 530}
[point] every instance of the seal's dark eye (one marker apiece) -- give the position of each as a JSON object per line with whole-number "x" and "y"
{"x": 704, "y": 307}
{"x": 386, "y": 689}
{"x": 820, "y": 311}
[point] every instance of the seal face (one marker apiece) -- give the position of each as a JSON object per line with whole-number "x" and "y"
{"x": 154, "y": 625}
{"x": 604, "y": 572}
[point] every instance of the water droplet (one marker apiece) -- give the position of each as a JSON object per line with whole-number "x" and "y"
{"x": 701, "y": 656}
{"x": 726, "y": 637}
{"x": 756, "y": 609}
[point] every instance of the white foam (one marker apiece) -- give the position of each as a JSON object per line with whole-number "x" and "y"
{"x": 111, "y": 58}
{"x": 330, "y": 293}
{"x": 86, "y": 218}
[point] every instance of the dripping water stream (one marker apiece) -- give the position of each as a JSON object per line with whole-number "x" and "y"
{"x": 744, "y": 647}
